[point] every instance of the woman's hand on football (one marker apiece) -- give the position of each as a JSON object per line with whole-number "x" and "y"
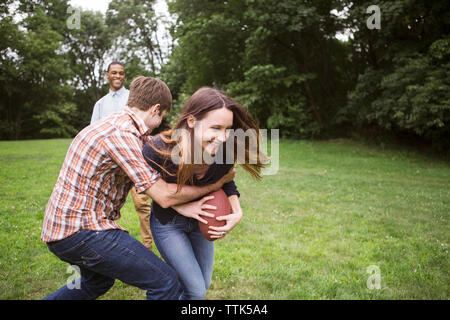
{"x": 231, "y": 221}
{"x": 195, "y": 209}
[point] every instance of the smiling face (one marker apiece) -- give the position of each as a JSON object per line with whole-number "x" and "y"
{"x": 211, "y": 130}
{"x": 116, "y": 77}
{"x": 205, "y": 118}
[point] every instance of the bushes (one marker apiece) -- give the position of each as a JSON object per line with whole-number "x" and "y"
{"x": 414, "y": 97}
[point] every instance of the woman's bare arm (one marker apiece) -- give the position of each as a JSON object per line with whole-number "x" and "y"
{"x": 166, "y": 195}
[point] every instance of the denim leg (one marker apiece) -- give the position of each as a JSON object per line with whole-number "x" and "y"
{"x": 134, "y": 264}
{"x": 113, "y": 254}
{"x": 174, "y": 243}
{"x": 92, "y": 285}
{"x": 204, "y": 253}
{"x": 74, "y": 251}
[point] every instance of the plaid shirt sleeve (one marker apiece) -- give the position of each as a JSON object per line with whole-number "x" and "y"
{"x": 125, "y": 148}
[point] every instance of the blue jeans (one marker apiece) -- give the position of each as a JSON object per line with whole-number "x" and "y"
{"x": 103, "y": 256}
{"x": 184, "y": 248}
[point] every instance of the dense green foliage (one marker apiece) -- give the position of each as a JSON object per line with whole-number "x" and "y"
{"x": 33, "y": 74}
{"x": 405, "y": 86}
{"x": 280, "y": 59}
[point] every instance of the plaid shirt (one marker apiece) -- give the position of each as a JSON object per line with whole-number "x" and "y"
{"x": 102, "y": 164}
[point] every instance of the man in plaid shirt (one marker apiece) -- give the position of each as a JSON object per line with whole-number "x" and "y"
{"x": 102, "y": 164}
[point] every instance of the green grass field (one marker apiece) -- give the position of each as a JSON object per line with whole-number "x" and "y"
{"x": 310, "y": 232}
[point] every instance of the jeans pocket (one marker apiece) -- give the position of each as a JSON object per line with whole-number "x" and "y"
{"x": 81, "y": 254}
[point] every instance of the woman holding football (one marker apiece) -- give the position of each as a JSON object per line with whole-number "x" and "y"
{"x": 196, "y": 152}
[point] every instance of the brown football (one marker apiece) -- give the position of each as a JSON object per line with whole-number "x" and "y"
{"x": 223, "y": 206}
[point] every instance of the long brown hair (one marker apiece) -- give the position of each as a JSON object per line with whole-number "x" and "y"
{"x": 198, "y": 105}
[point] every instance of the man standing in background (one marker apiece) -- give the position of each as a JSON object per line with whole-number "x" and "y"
{"x": 116, "y": 100}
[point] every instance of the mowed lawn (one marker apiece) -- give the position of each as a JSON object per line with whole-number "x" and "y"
{"x": 309, "y": 232}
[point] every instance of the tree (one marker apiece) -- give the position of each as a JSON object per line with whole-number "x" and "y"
{"x": 134, "y": 26}
{"x": 88, "y": 49}
{"x": 404, "y": 87}
{"x": 277, "y": 57}
{"x": 33, "y": 73}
